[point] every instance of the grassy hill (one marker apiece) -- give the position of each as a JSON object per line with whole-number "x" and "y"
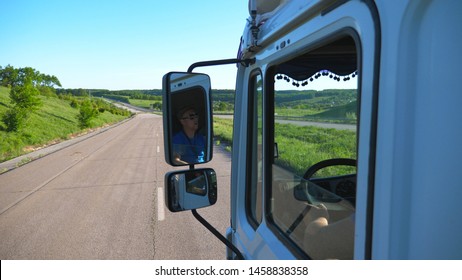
{"x": 347, "y": 111}
{"x": 56, "y": 120}
{"x": 334, "y": 105}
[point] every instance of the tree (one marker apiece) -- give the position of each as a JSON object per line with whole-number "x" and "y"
{"x": 27, "y": 75}
{"x": 8, "y": 76}
{"x": 25, "y": 100}
{"x": 86, "y": 113}
{"x": 55, "y": 81}
{"x": 49, "y": 81}
{"x": 25, "y": 96}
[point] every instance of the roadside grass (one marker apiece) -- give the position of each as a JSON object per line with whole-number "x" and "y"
{"x": 302, "y": 147}
{"x": 223, "y": 132}
{"x": 53, "y": 122}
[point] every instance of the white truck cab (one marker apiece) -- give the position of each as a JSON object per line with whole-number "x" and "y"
{"x": 373, "y": 178}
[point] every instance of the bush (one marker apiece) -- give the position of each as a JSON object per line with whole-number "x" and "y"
{"x": 74, "y": 103}
{"x": 14, "y": 118}
{"x": 25, "y": 96}
{"x": 86, "y": 113}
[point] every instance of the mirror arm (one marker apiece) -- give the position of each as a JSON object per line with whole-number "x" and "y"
{"x": 217, "y": 234}
{"x": 247, "y": 62}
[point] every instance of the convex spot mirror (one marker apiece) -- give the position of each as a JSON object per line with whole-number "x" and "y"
{"x": 187, "y": 114}
{"x": 190, "y": 189}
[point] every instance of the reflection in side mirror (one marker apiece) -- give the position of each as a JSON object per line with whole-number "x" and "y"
{"x": 187, "y": 117}
{"x": 190, "y": 189}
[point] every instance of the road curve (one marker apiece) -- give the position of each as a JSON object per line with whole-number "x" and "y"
{"x": 102, "y": 198}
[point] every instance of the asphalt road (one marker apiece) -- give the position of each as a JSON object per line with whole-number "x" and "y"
{"x": 102, "y": 198}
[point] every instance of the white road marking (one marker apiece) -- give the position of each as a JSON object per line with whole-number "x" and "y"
{"x": 160, "y": 204}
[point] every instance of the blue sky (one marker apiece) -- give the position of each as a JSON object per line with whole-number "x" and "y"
{"x": 121, "y": 44}
{"x": 117, "y": 44}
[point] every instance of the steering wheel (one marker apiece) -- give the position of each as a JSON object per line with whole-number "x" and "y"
{"x": 326, "y": 163}
{"x": 300, "y": 193}
{"x": 301, "y": 190}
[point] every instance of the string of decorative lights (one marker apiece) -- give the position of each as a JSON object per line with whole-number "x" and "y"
{"x": 328, "y": 73}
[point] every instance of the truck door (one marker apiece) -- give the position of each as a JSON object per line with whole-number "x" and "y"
{"x": 308, "y": 178}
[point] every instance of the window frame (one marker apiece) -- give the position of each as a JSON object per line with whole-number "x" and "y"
{"x": 269, "y": 118}
{"x": 253, "y": 112}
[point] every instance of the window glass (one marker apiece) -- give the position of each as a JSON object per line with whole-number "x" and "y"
{"x": 255, "y": 149}
{"x": 313, "y": 188}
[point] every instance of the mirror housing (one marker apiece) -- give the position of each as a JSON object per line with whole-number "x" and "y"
{"x": 190, "y": 189}
{"x": 187, "y": 114}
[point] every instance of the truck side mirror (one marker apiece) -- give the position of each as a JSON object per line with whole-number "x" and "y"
{"x": 190, "y": 189}
{"x": 187, "y": 114}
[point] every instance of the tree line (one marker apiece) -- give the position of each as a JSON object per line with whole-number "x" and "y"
{"x": 11, "y": 77}
{"x": 25, "y": 84}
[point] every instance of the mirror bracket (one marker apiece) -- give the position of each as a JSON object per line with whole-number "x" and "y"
{"x": 217, "y": 234}
{"x": 246, "y": 62}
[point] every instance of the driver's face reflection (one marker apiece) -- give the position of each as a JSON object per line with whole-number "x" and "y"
{"x": 190, "y": 120}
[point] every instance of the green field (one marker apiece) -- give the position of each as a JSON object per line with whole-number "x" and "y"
{"x": 54, "y": 121}
{"x": 147, "y": 104}
{"x": 302, "y": 146}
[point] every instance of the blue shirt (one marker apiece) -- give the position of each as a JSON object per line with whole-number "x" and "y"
{"x": 190, "y": 150}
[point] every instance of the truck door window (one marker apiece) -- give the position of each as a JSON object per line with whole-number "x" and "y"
{"x": 254, "y": 192}
{"x": 313, "y": 189}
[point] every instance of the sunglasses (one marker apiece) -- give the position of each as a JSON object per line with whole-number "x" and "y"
{"x": 191, "y": 116}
